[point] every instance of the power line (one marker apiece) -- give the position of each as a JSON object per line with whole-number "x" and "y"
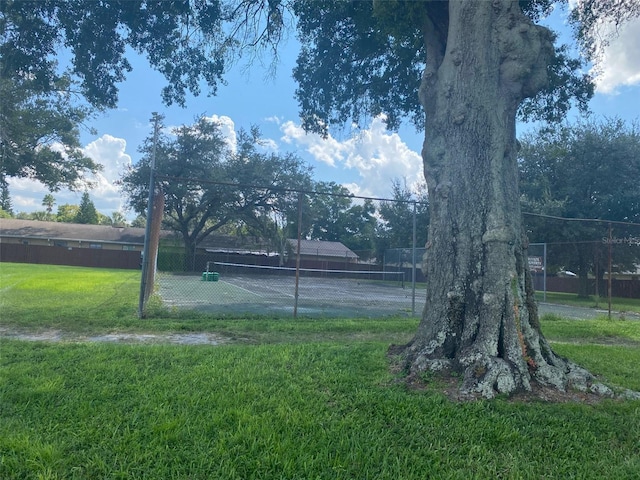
{"x": 362, "y": 197}
{"x": 593, "y": 220}
{"x": 284, "y": 189}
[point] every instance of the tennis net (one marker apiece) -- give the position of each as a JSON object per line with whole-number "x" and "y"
{"x": 389, "y": 277}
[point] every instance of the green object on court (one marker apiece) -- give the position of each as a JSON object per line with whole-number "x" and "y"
{"x": 210, "y": 276}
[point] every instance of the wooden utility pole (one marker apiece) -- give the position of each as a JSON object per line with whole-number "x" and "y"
{"x": 146, "y": 251}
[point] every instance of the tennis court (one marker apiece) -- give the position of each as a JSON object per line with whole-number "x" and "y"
{"x": 274, "y": 294}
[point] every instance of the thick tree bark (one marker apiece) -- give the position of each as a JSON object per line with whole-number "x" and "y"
{"x": 481, "y": 318}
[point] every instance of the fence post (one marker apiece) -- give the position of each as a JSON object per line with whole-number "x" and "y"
{"x": 295, "y": 297}
{"x": 609, "y": 280}
{"x": 413, "y": 265}
{"x": 544, "y": 272}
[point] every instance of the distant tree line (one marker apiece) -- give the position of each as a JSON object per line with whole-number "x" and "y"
{"x": 589, "y": 170}
{"x": 84, "y": 213}
{"x": 244, "y": 190}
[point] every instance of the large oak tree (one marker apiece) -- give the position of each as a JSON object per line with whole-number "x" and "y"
{"x": 462, "y": 70}
{"x": 209, "y": 184}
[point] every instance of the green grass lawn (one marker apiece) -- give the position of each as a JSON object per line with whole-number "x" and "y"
{"x": 67, "y": 297}
{"x": 286, "y": 399}
{"x": 617, "y": 304}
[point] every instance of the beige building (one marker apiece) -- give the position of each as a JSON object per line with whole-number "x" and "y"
{"x": 57, "y": 243}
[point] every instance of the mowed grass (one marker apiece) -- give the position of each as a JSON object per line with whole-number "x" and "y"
{"x": 61, "y": 296}
{"x": 617, "y": 304}
{"x": 287, "y": 399}
{"x": 325, "y": 410}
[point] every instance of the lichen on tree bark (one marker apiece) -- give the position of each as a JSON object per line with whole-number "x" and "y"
{"x": 480, "y": 317}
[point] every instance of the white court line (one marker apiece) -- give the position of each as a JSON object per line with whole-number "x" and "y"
{"x": 242, "y": 288}
{"x": 260, "y": 285}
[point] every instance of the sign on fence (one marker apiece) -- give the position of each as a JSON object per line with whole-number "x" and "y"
{"x": 536, "y": 264}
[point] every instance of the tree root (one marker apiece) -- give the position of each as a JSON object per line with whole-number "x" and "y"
{"x": 489, "y": 377}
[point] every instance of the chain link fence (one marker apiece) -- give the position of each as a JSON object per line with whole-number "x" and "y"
{"x": 328, "y": 256}
{"x": 331, "y": 254}
{"x": 598, "y": 262}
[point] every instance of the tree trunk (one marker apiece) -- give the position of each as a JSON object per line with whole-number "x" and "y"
{"x": 190, "y": 256}
{"x": 584, "y": 255}
{"x": 481, "y": 318}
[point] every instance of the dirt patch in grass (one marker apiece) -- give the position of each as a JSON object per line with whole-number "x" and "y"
{"x": 192, "y": 338}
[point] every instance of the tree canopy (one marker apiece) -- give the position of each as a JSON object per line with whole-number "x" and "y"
{"x": 366, "y": 58}
{"x": 45, "y": 101}
{"x": 396, "y": 226}
{"x": 331, "y": 213}
{"x": 209, "y": 184}
{"x": 39, "y": 134}
{"x": 177, "y": 37}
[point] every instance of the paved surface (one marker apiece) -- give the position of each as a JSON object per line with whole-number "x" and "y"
{"x": 323, "y": 297}
{"x": 581, "y": 313}
{"x": 275, "y": 295}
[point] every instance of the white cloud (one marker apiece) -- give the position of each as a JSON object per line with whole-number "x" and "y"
{"x": 228, "y": 129}
{"x": 268, "y": 145}
{"x": 26, "y": 195}
{"x": 377, "y": 155}
{"x": 620, "y": 63}
{"x": 110, "y": 152}
{"x": 326, "y": 150}
{"x": 273, "y": 119}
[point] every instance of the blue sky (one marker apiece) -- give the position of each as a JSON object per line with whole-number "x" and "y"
{"x": 366, "y": 162}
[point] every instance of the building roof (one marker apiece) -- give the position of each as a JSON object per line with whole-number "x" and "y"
{"x": 322, "y": 248}
{"x": 11, "y": 227}
{"x": 36, "y": 229}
